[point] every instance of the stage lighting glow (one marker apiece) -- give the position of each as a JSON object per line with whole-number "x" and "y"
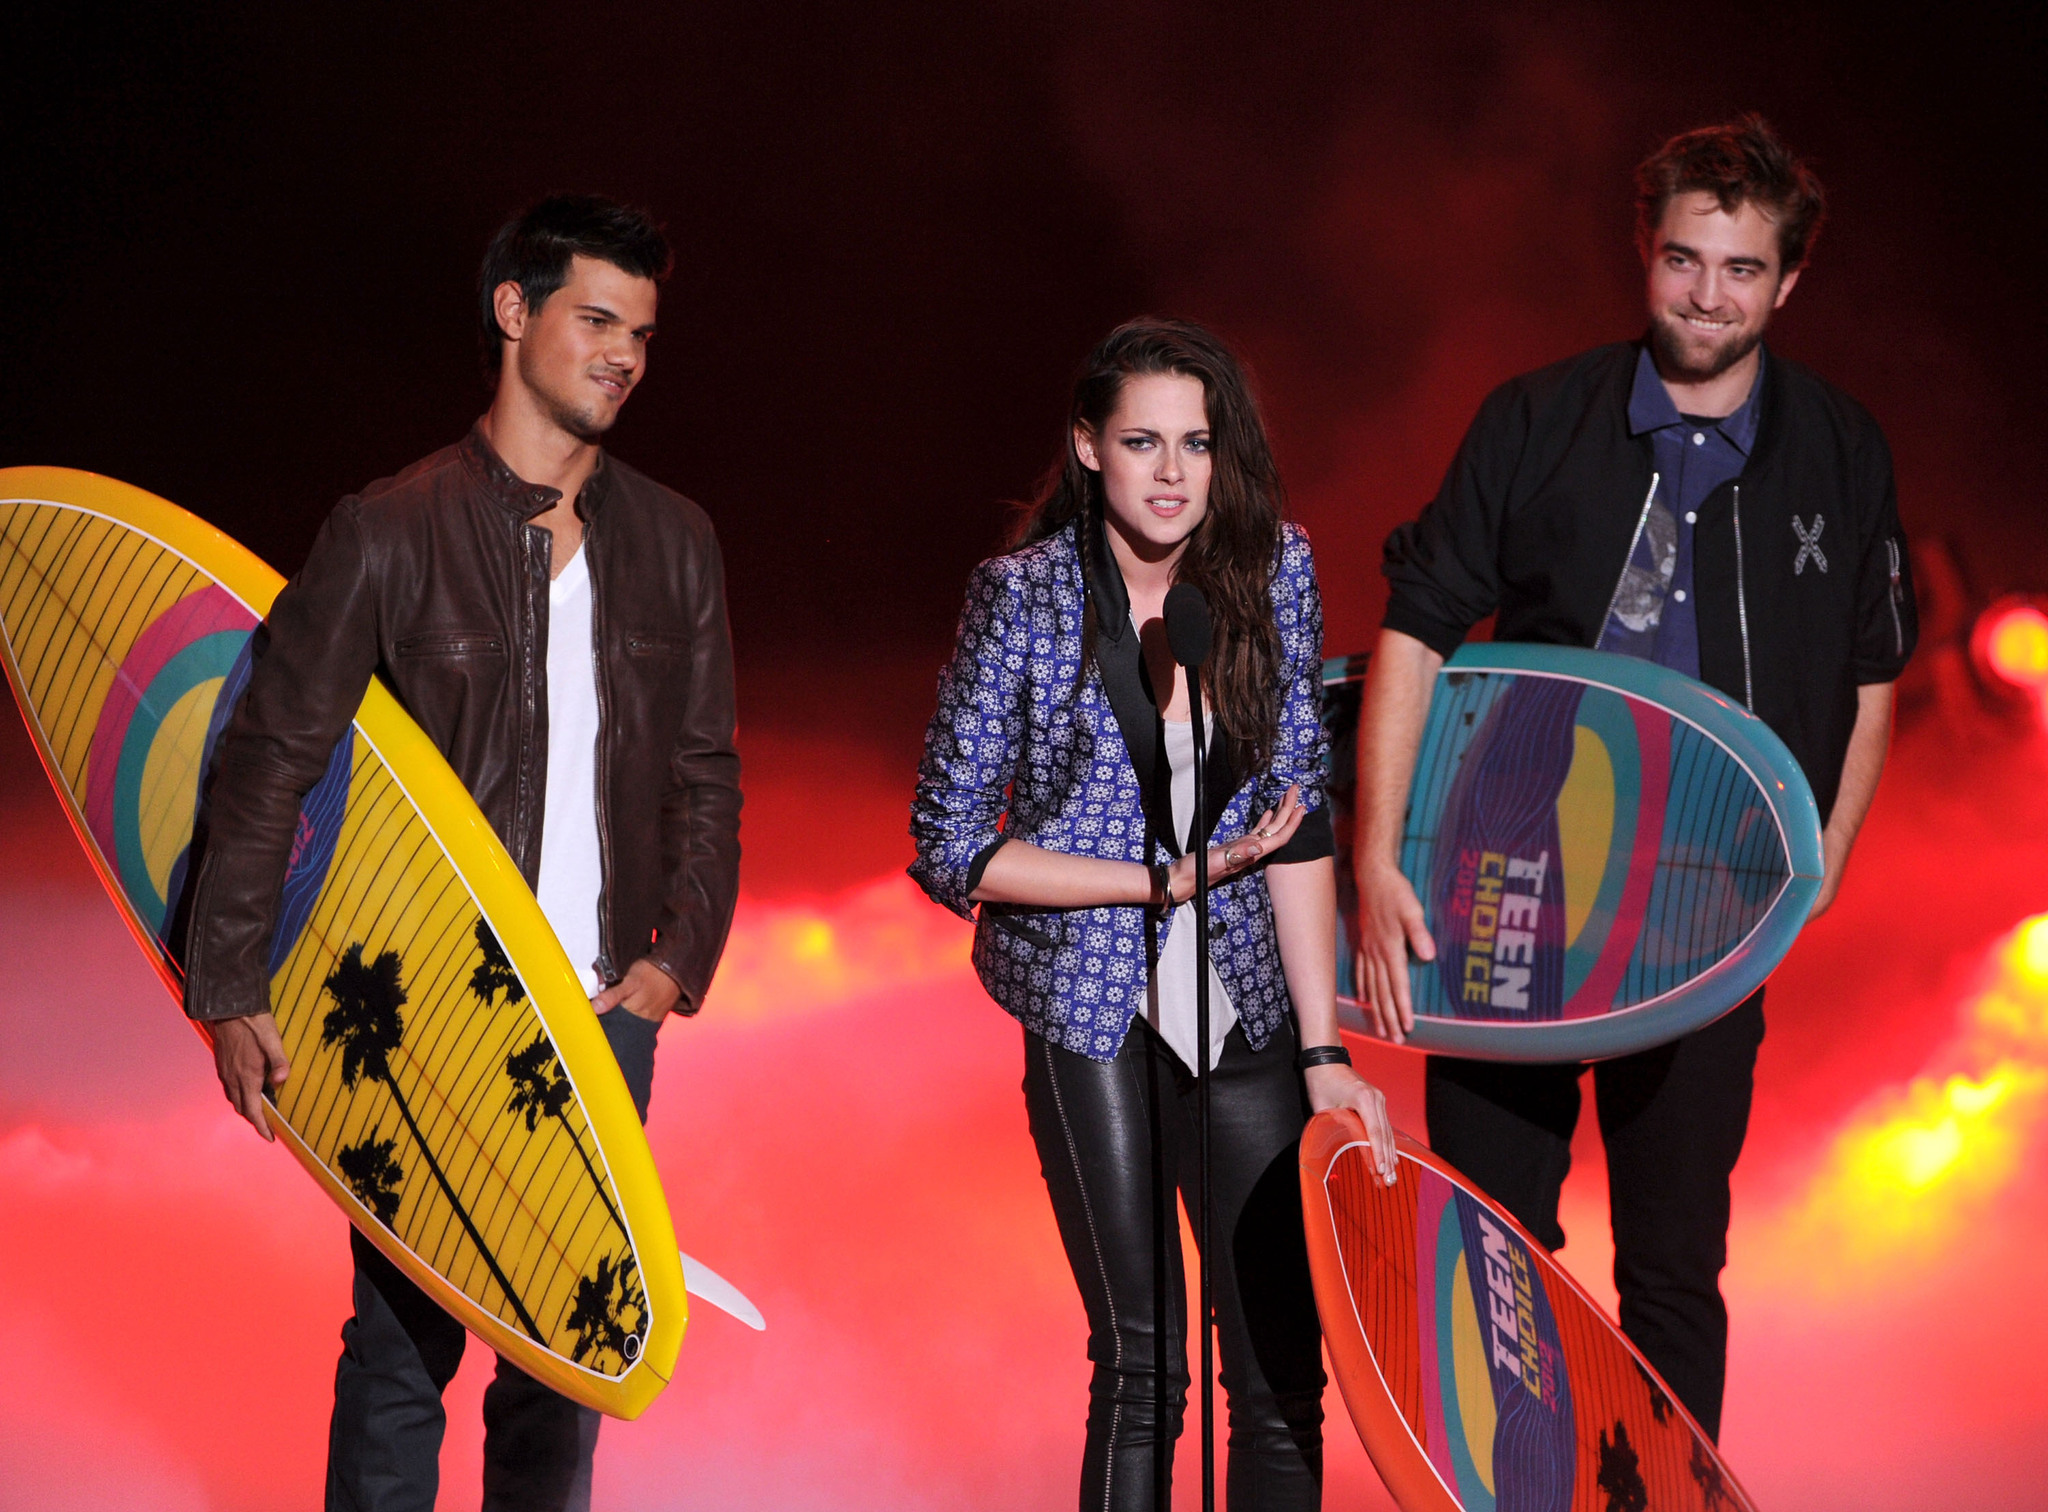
{"x": 1923, "y": 1144}
{"x": 786, "y": 957}
{"x": 810, "y": 939}
{"x": 1916, "y": 1162}
{"x": 2010, "y": 646}
{"x": 2030, "y": 952}
{"x": 2016, "y": 646}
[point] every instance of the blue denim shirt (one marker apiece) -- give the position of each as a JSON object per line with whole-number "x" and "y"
{"x": 1655, "y": 614}
{"x": 1026, "y": 744}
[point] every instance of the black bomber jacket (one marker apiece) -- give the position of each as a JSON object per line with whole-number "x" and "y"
{"x": 1799, "y": 566}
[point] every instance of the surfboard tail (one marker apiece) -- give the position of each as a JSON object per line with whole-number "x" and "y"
{"x": 1477, "y": 1372}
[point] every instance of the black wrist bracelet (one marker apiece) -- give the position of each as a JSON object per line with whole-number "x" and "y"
{"x": 1322, "y": 1055}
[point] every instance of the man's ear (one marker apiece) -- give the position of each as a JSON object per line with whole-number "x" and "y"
{"x": 508, "y": 304}
{"x": 1785, "y": 288}
{"x": 1084, "y": 448}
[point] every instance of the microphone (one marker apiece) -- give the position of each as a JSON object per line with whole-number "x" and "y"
{"x": 1188, "y": 627}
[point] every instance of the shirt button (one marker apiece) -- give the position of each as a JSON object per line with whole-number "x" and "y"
{"x": 1679, "y": 595}
{"x": 1692, "y": 517}
{"x": 1699, "y": 438}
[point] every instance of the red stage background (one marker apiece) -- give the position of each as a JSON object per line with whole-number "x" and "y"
{"x": 238, "y": 277}
{"x": 842, "y": 1135}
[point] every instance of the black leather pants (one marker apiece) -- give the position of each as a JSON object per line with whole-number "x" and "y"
{"x": 1115, "y": 1142}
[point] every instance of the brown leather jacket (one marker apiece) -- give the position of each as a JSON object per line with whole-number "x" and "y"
{"x": 435, "y": 581}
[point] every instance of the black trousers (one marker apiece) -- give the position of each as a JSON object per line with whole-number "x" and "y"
{"x": 400, "y": 1351}
{"x": 1673, "y": 1121}
{"x": 1115, "y": 1142}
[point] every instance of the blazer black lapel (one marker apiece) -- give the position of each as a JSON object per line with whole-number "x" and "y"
{"x": 1222, "y": 783}
{"x": 1122, "y": 664}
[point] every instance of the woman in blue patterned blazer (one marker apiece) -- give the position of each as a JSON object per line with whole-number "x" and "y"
{"x": 1056, "y": 792}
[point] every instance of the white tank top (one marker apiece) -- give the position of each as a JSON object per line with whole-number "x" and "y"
{"x": 1170, "y": 1000}
{"x": 571, "y": 871}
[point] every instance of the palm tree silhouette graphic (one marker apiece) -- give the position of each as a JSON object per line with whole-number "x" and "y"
{"x": 540, "y": 1090}
{"x": 1620, "y": 1474}
{"x": 371, "y": 1168}
{"x": 367, "y": 1026}
{"x": 494, "y": 973}
{"x": 1708, "y": 1477}
{"x": 600, "y": 1298}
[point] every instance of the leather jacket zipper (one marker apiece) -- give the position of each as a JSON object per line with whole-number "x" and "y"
{"x": 1627, "y": 561}
{"x": 1742, "y": 607}
{"x": 602, "y": 786}
{"x": 540, "y": 545}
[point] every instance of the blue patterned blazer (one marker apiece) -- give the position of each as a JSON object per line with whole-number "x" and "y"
{"x": 1028, "y": 744}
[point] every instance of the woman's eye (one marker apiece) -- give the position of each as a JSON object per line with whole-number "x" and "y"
{"x": 1198, "y": 443}
{"x": 1138, "y": 443}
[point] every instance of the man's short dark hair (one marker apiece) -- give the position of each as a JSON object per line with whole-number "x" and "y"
{"x": 1741, "y": 162}
{"x": 533, "y": 250}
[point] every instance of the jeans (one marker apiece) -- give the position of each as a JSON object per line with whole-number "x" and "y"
{"x": 1673, "y": 1120}
{"x": 400, "y": 1351}
{"x": 1115, "y": 1141}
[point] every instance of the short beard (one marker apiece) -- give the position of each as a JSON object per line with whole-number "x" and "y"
{"x": 1673, "y": 361}
{"x": 584, "y": 424}
{"x": 587, "y": 422}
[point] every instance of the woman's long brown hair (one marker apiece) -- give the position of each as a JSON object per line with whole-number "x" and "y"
{"x": 1232, "y": 553}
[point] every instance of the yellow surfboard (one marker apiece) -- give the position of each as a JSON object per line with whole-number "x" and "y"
{"x": 450, "y": 1087}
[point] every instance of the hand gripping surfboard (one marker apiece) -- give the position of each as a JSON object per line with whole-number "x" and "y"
{"x": 451, "y": 1089}
{"x": 1480, "y": 1377}
{"x": 1609, "y": 854}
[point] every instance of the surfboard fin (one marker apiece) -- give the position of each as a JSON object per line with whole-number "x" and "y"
{"x": 705, "y": 1285}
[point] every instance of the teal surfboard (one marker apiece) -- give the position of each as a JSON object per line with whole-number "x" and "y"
{"x": 1609, "y": 854}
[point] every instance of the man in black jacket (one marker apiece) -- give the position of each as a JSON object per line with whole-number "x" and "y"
{"x": 1692, "y": 500}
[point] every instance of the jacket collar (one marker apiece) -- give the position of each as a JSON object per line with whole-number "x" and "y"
{"x": 1651, "y": 408}
{"x": 1105, "y": 579}
{"x": 509, "y": 491}
{"x": 1762, "y": 411}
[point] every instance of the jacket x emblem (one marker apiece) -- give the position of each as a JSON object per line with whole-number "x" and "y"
{"x": 1809, "y": 545}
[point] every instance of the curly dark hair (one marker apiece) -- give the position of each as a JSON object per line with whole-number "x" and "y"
{"x": 534, "y": 248}
{"x": 1231, "y": 555}
{"x": 1740, "y": 162}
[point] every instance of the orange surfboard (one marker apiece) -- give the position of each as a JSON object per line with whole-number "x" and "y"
{"x": 1480, "y": 1376}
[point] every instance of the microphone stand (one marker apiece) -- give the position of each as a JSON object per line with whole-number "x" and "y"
{"x": 1208, "y": 1311}
{"x": 1190, "y": 633}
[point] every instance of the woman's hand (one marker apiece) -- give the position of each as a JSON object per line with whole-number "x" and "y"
{"x": 1275, "y": 828}
{"x": 1338, "y": 1086}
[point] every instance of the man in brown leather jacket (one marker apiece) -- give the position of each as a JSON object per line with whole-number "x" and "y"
{"x": 556, "y": 623}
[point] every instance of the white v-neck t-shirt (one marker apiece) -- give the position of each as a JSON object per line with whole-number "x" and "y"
{"x": 1170, "y": 1001}
{"x": 571, "y": 867}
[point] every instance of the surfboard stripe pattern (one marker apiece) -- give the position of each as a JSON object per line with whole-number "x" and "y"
{"x": 429, "y": 1094}
{"x": 1479, "y": 1376}
{"x": 1608, "y": 854}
